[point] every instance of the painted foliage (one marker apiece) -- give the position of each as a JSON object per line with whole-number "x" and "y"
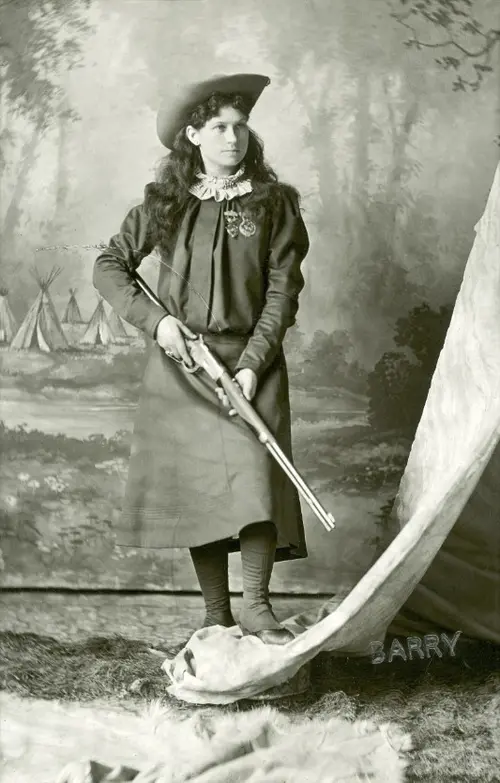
{"x": 387, "y": 129}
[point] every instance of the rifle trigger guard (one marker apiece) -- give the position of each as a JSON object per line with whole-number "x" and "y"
{"x": 191, "y": 370}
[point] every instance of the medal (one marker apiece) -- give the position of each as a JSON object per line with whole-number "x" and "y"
{"x": 238, "y": 223}
{"x": 232, "y": 221}
{"x": 247, "y": 227}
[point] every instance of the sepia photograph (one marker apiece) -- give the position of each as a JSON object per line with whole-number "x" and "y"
{"x": 249, "y": 391}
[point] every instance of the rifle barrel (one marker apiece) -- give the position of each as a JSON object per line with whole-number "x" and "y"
{"x": 324, "y": 517}
{"x": 147, "y": 290}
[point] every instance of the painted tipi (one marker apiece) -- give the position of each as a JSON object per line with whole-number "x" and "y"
{"x": 117, "y": 326}
{"x": 99, "y": 331}
{"x": 8, "y": 325}
{"x": 72, "y": 314}
{"x": 41, "y": 329}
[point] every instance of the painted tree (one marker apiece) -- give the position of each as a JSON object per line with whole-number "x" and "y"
{"x": 386, "y": 103}
{"x": 399, "y": 383}
{"x": 408, "y": 87}
{"x": 65, "y": 116}
{"x": 466, "y": 44}
{"x": 39, "y": 43}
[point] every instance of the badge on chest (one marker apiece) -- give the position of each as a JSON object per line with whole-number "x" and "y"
{"x": 239, "y": 223}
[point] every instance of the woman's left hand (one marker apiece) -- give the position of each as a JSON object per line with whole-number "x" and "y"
{"x": 247, "y": 381}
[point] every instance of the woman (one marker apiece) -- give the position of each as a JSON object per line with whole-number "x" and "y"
{"x": 231, "y": 241}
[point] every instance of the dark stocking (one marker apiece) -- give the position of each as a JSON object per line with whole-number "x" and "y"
{"x": 211, "y": 565}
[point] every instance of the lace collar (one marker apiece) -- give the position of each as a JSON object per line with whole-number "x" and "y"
{"x": 221, "y": 188}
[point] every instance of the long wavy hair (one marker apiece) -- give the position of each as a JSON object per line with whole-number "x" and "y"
{"x": 167, "y": 198}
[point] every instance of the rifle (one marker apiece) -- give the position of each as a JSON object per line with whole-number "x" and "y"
{"x": 204, "y": 359}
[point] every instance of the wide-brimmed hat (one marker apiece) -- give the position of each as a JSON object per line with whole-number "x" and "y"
{"x": 175, "y": 111}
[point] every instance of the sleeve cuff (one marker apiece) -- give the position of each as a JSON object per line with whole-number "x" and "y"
{"x": 154, "y": 317}
{"x": 248, "y": 364}
{"x": 251, "y": 360}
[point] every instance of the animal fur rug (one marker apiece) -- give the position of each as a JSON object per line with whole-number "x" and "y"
{"x": 40, "y": 740}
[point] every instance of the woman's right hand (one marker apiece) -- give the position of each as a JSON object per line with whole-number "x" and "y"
{"x": 171, "y": 336}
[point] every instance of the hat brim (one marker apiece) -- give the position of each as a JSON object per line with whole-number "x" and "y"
{"x": 175, "y": 113}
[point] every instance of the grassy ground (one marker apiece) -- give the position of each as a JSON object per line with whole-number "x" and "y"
{"x": 450, "y": 707}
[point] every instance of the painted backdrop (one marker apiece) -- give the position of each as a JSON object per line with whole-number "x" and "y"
{"x": 390, "y": 136}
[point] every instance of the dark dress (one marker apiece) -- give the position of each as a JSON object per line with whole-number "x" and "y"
{"x": 196, "y": 475}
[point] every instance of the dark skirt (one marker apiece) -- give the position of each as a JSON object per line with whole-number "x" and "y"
{"x": 197, "y": 475}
